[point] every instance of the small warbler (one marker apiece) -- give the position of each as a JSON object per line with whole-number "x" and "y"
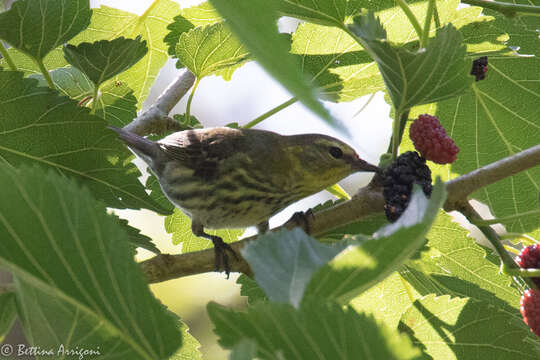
{"x": 233, "y": 178}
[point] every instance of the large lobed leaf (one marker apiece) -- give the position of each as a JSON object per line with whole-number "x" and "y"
{"x": 467, "y": 329}
{"x": 335, "y": 62}
{"x": 283, "y": 262}
{"x": 315, "y": 331}
{"x": 101, "y": 60}
{"x": 189, "y": 18}
{"x": 36, "y": 27}
{"x": 77, "y": 281}
{"x": 209, "y": 50}
{"x": 439, "y": 72}
{"x": 116, "y": 104}
{"x": 40, "y": 127}
{"x": 360, "y": 267}
{"x": 179, "y": 225}
{"x": 8, "y": 313}
{"x": 456, "y": 265}
{"x": 109, "y": 23}
{"x": 329, "y": 13}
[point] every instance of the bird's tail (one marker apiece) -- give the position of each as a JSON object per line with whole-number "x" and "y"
{"x": 140, "y": 145}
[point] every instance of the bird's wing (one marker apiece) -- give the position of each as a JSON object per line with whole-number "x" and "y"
{"x": 200, "y": 151}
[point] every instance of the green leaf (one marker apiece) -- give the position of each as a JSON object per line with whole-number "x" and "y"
{"x": 36, "y": 27}
{"x": 495, "y": 121}
{"x": 328, "y": 13}
{"x": 179, "y": 225}
{"x": 211, "y": 49}
{"x": 109, "y": 23}
{"x": 315, "y": 331}
{"x": 245, "y": 350}
{"x": 387, "y": 300}
{"x": 8, "y": 313}
{"x": 41, "y": 127}
{"x": 254, "y": 23}
{"x": 76, "y": 277}
{"x": 463, "y": 328}
{"x": 439, "y": 72}
{"x": 101, "y": 60}
{"x": 135, "y": 238}
{"x": 366, "y": 226}
{"x": 117, "y": 104}
{"x": 283, "y": 262}
{"x": 189, "y": 18}
{"x": 250, "y": 289}
{"x": 335, "y": 62}
{"x": 68, "y": 81}
{"x": 360, "y": 267}
{"x": 456, "y": 265}
{"x": 156, "y": 193}
{"x": 190, "y": 345}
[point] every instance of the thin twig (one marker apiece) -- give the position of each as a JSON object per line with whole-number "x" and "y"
{"x": 156, "y": 119}
{"x": 508, "y": 262}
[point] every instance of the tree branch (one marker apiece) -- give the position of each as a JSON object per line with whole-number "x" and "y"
{"x": 461, "y": 187}
{"x": 166, "y": 267}
{"x": 156, "y": 119}
{"x": 368, "y": 201}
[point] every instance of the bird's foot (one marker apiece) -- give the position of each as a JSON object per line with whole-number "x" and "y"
{"x": 220, "y": 252}
{"x": 302, "y": 219}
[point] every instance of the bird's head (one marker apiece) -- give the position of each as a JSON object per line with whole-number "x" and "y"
{"x": 324, "y": 160}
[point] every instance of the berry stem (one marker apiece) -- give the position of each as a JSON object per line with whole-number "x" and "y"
{"x": 507, "y": 261}
{"x": 397, "y": 132}
{"x": 529, "y": 240}
{"x": 269, "y": 113}
{"x": 413, "y": 20}
{"x": 524, "y": 273}
{"x": 7, "y": 56}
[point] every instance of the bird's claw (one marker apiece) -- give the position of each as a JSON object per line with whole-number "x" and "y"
{"x": 221, "y": 259}
{"x": 302, "y": 219}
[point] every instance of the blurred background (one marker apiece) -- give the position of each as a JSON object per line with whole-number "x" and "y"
{"x": 250, "y": 93}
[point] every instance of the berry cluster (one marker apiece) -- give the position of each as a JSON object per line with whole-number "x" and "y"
{"x": 480, "y": 68}
{"x": 398, "y": 179}
{"x": 529, "y": 258}
{"x": 431, "y": 140}
{"x": 530, "y": 309}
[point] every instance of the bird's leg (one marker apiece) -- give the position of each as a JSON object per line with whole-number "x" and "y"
{"x": 221, "y": 258}
{"x": 262, "y": 227}
{"x": 302, "y": 218}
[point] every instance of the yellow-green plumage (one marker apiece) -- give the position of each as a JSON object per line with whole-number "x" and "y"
{"x": 226, "y": 178}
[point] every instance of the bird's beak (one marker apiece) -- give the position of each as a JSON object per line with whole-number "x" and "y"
{"x": 360, "y": 165}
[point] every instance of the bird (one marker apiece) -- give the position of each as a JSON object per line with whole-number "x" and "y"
{"x": 224, "y": 177}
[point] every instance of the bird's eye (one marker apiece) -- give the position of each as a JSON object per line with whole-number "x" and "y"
{"x": 336, "y": 152}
